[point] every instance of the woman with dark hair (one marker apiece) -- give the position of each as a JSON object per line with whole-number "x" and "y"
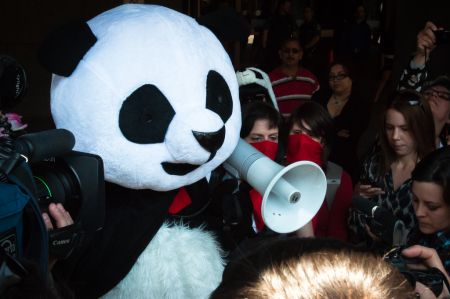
{"x": 406, "y": 137}
{"x": 260, "y": 122}
{"x": 349, "y": 112}
{"x": 312, "y": 120}
{"x": 234, "y": 211}
{"x": 310, "y": 134}
{"x": 431, "y": 202}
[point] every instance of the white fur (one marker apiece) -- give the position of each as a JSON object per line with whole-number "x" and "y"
{"x": 137, "y": 45}
{"x": 179, "y": 263}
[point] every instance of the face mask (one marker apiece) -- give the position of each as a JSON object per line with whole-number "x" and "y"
{"x": 268, "y": 148}
{"x": 301, "y": 147}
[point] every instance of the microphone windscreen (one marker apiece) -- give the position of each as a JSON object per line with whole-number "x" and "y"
{"x": 45, "y": 144}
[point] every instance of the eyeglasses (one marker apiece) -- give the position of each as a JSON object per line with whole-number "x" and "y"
{"x": 338, "y": 77}
{"x": 291, "y": 50}
{"x": 440, "y": 94}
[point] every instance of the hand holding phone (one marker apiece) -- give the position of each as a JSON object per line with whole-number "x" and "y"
{"x": 368, "y": 188}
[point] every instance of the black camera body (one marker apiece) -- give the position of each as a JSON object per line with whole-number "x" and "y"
{"x": 414, "y": 271}
{"x": 442, "y": 36}
{"x": 75, "y": 180}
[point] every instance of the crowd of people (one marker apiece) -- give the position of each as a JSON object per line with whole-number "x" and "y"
{"x": 338, "y": 254}
{"x": 404, "y": 173}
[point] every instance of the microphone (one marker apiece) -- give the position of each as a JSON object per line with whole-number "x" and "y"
{"x": 39, "y": 146}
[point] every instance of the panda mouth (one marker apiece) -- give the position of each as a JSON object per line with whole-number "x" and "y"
{"x": 178, "y": 168}
{"x": 182, "y": 168}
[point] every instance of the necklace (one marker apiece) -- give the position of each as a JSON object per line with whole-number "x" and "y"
{"x": 338, "y": 102}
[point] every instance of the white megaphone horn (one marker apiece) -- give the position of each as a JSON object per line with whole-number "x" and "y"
{"x": 292, "y": 195}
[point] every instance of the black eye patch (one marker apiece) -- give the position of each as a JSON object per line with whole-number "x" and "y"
{"x": 218, "y": 96}
{"x": 145, "y": 115}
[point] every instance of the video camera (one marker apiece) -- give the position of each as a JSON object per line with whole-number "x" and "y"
{"x": 72, "y": 178}
{"x": 38, "y": 169}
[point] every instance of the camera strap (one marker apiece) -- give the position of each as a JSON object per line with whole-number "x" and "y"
{"x": 9, "y": 158}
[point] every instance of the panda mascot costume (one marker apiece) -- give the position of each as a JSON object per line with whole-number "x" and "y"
{"x": 155, "y": 95}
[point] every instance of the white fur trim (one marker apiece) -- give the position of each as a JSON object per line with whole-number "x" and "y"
{"x": 179, "y": 263}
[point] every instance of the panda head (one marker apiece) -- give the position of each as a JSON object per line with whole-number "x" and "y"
{"x": 149, "y": 90}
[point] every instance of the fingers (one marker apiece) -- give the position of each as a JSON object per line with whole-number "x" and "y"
{"x": 60, "y": 215}
{"x": 369, "y": 191}
{"x": 430, "y": 258}
{"x": 428, "y": 255}
{"x": 47, "y": 221}
{"x": 431, "y": 25}
{"x": 426, "y": 38}
{"x": 419, "y": 251}
{"x": 371, "y": 235}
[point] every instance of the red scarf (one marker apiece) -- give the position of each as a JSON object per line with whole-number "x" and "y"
{"x": 301, "y": 147}
{"x": 268, "y": 148}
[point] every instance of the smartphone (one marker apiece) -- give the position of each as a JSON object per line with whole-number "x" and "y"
{"x": 367, "y": 181}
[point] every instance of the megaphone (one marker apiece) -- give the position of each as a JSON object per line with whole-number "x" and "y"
{"x": 292, "y": 195}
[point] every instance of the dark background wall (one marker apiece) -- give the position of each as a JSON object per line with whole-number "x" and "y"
{"x": 411, "y": 17}
{"x": 24, "y": 24}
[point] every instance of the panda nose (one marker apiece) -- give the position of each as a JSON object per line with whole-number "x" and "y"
{"x": 210, "y": 141}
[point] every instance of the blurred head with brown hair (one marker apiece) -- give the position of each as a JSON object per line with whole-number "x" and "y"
{"x": 310, "y": 269}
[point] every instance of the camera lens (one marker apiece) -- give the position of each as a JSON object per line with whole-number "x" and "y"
{"x": 56, "y": 183}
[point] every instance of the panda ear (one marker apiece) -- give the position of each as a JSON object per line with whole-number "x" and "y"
{"x": 63, "y": 49}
